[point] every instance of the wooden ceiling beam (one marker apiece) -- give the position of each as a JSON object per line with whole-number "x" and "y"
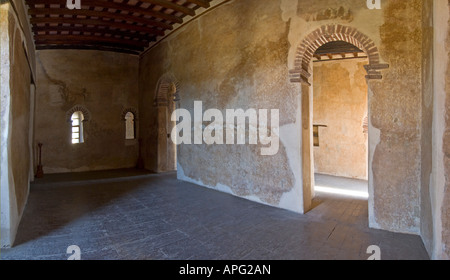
{"x": 82, "y": 29}
{"x": 113, "y": 5}
{"x": 337, "y": 47}
{"x": 200, "y": 3}
{"x": 171, "y": 5}
{"x": 99, "y": 14}
{"x": 87, "y": 43}
{"x": 96, "y": 22}
{"x": 79, "y": 47}
{"x": 90, "y": 38}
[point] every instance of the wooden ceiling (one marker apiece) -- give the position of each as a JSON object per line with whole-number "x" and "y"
{"x": 128, "y": 26}
{"x": 338, "y": 50}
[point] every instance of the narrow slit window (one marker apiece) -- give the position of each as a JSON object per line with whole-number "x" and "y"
{"x": 77, "y": 128}
{"x": 129, "y": 126}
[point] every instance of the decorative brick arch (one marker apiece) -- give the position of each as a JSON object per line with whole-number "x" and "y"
{"x": 167, "y": 94}
{"x": 330, "y": 33}
{"x": 167, "y": 90}
{"x": 130, "y": 110}
{"x": 78, "y": 108}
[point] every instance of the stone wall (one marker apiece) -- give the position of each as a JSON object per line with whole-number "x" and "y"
{"x": 103, "y": 83}
{"x": 340, "y": 103}
{"x": 16, "y": 125}
{"x": 395, "y": 106}
{"x": 231, "y": 58}
{"x": 239, "y": 56}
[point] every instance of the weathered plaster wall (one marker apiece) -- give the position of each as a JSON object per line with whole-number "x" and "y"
{"x": 15, "y": 106}
{"x": 426, "y": 214}
{"x": 340, "y": 103}
{"x": 20, "y": 81}
{"x": 231, "y": 58}
{"x": 444, "y": 249}
{"x": 238, "y": 56}
{"x": 395, "y": 107}
{"x": 106, "y": 84}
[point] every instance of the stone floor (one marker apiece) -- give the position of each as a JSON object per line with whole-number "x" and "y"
{"x": 130, "y": 214}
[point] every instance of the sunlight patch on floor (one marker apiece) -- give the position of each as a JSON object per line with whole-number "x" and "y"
{"x": 327, "y": 184}
{"x": 331, "y": 190}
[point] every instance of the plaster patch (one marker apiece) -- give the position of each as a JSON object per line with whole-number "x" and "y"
{"x": 291, "y": 139}
{"x": 224, "y": 188}
{"x": 219, "y": 187}
{"x": 292, "y": 200}
{"x": 255, "y": 199}
{"x": 288, "y": 201}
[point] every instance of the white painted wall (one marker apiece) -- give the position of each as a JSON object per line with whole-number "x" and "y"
{"x": 441, "y": 19}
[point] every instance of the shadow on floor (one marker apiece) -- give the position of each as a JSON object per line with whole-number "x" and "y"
{"x": 83, "y": 177}
{"x": 58, "y": 203}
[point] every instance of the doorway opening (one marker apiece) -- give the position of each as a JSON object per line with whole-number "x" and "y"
{"x": 302, "y": 73}
{"x": 340, "y": 120}
{"x": 167, "y": 96}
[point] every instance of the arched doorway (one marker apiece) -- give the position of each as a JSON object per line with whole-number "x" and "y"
{"x": 340, "y": 127}
{"x": 302, "y": 73}
{"x": 167, "y": 94}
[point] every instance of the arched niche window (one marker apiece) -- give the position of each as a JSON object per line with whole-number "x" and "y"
{"x": 130, "y": 131}
{"x": 77, "y": 127}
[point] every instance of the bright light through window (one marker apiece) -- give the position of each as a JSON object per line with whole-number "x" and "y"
{"x": 77, "y": 128}
{"x": 129, "y": 126}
